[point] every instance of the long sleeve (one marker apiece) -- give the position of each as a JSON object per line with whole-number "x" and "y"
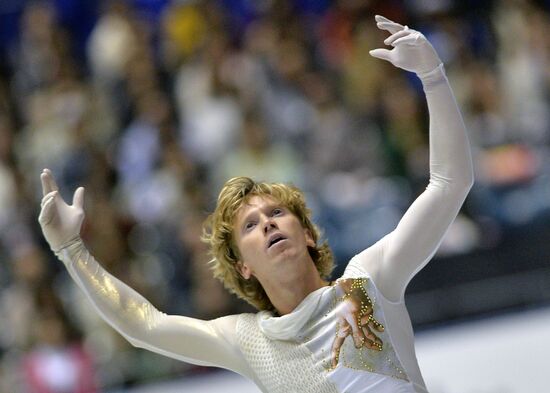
{"x": 207, "y": 343}
{"x": 397, "y": 257}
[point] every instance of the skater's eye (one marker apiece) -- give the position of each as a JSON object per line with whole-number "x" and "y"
{"x": 249, "y": 225}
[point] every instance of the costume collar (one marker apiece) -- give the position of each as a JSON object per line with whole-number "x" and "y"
{"x": 287, "y": 326}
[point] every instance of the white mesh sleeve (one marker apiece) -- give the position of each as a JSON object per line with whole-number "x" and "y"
{"x": 207, "y": 343}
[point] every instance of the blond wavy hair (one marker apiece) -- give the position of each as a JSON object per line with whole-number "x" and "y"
{"x": 218, "y": 233}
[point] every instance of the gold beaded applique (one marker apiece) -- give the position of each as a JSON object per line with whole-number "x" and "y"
{"x": 361, "y": 341}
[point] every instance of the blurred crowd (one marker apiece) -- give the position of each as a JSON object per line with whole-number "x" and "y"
{"x": 152, "y": 105}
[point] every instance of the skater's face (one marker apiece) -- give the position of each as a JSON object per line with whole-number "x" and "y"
{"x": 268, "y": 237}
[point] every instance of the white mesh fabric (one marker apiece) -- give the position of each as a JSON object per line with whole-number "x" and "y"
{"x": 281, "y": 366}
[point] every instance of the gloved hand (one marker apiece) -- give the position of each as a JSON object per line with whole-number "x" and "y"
{"x": 60, "y": 222}
{"x": 411, "y": 52}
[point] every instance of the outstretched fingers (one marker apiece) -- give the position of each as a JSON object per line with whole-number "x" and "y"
{"x": 342, "y": 332}
{"x": 47, "y": 208}
{"x": 48, "y": 182}
{"x": 380, "y": 53}
{"x": 388, "y": 25}
{"x": 357, "y": 333}
{"x": 50, "y": 195}
{"x": 78, "y": 198}
{"x": 400, "y": 35}
{"x": 396, "y": 37}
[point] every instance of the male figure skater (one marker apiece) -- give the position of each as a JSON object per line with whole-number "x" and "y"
{"x": 309, "y": 335}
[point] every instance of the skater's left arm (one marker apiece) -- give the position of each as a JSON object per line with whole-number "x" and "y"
{"x": 396, "y": 258}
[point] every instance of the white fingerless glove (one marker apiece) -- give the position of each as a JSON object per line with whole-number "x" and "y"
{"x": 412, "y": 51}
{"x": 60, "y": 222}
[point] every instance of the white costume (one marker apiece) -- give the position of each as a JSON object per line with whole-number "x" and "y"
{"x": 354, "y": 336}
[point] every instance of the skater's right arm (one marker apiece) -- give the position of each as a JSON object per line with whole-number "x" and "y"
{"x": 208, "y": 343}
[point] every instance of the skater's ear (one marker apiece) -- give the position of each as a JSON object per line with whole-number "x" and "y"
{"x": 244, "y": 270}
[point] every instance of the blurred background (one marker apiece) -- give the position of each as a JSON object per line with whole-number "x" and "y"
{"x": 153, "y": 104}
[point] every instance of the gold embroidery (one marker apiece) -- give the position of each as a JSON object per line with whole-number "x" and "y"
{"x": 369, "y": 347}
{"x": 355, "y": 318}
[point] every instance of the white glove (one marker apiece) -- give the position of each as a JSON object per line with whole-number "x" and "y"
{"x": 411, "y": 52}
{"x": 60, "y": 222}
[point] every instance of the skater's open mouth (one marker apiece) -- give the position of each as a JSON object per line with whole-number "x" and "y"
{"x": 274, "y": 239}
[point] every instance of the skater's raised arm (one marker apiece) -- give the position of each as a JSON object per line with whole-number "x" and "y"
{"x": 209, "y": 343}
{"x": 402, "y": 253}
